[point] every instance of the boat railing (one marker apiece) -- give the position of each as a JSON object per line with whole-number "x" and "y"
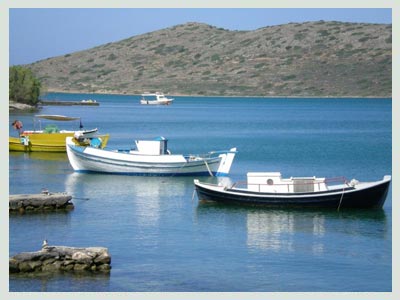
{"x": 341, "y": 179}
{"x": 211, "y": 154}
{"x": 326, "y": 182}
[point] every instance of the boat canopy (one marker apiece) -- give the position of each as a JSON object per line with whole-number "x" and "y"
{"x": 160, "y": 138}
{"x": 57, "y": 117}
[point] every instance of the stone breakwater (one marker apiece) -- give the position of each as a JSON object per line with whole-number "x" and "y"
{"x": 39, "y": 202}
{"x": 61, "y": 258}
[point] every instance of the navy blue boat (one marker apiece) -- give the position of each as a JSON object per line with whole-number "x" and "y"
{"x": 270, "y": 189}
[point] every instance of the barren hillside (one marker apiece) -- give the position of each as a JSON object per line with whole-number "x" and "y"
{"x": 296, "y": 59}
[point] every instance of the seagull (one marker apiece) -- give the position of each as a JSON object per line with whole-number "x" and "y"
{"x": 44, "y": 243}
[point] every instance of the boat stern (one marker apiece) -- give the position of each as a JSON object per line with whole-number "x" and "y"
{"x": 226, "y": 162}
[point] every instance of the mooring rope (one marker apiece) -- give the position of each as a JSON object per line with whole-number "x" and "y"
{"x": 208, "y": 168}
{"x": 194, "y": 193}
{"x": 341, "y": 198}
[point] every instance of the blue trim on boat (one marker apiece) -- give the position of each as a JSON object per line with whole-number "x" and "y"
{"x": 77, "y": 148}
{"x": 220, "y": 174}
{"x": 151, "y": 174}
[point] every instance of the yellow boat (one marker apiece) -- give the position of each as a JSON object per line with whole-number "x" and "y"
{"x": 53, "y": 140}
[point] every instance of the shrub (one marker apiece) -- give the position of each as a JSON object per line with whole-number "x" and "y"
{"x": 24, "y": 87}
{"x": 288, "y": 77}
{"x": 215, "y": 57}
{"x": 323, "y": 32}
{"x": 112, "y": 56}
{"x": 363, "y": 39}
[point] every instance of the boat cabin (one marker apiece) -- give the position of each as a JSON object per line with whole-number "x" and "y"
{"x": 272, "y": 182}
{"x": 158, "y": 146}
{"x": 154, "y": 96}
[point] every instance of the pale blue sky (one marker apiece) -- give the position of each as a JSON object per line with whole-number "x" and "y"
{"x": 37, "y": 34}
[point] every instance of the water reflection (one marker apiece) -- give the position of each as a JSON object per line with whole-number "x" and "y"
{"x": 144, "y": 197}
{"x": 267, "y": 231}
{"x": 62, "y": 157}
{"x": 275, "y": 230}
{"x": 287, "y": 230}
{"x": 60, "y": 282}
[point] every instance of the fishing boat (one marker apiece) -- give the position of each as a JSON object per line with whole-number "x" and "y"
{"x": 270, "y": 189}
{"x": 148, "y": 158}
{"x": 51, "y": 138}
{"x": 155, "y": 99}
{"x": 88, "y": 101}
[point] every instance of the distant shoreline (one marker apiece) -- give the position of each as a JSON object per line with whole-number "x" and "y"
{"x": 219, "y": 96}
{"x": 14, "y": 106}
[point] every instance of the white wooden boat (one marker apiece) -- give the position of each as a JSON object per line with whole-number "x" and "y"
{"x": 150, "y": 157}
{"x": 155, "y": 99}
{"x": 270, "y": 189}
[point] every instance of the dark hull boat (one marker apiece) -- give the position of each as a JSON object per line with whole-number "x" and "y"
{"x": 269, "y": 189}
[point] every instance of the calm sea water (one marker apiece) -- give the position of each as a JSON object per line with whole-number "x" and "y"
{"x": 162, "y": 240}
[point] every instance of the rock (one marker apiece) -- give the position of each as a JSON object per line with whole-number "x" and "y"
{"x": 61, "y": 258}
{"x": 13, "y": 106}
{"x": 48, "y": 261}
{"x": 103, "y": 258}
{"x": 13, "y": 266}
{"x": 81, "y": 267}
{"x": 39, "y": 202}
{"x": 49, "y": 268}
{"x": 82, "y": 257}
{"x": 104, "y": 268}
{"x": 35, "y": 264}
{"x": 25, "y": 267}
{"x": 69, "y": 267}
{"x": 36, "y": 202}
{"x": 68, "y": 262}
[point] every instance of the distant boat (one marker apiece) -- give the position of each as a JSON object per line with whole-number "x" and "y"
{"x": 88, "y": 101}
{"x": 270, "y": 189}
{"x": 51, "y": 138}
{"x": 150, "y": 158}
{"x": 155, "y": 99}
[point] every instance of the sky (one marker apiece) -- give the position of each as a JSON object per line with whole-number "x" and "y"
{"x": 40, "y": 33}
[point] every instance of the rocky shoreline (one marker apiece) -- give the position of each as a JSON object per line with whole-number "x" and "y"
{"x": 15, "y": 106}
{"x": 106, "y": 92}
{"x": 47, "y": 201}
{"x": 61, "y": 258}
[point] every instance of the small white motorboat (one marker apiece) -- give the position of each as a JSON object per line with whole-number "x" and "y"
{"x": 155, "y": 99}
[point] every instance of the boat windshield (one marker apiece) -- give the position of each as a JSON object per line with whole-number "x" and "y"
{"x": 149, "y": 97}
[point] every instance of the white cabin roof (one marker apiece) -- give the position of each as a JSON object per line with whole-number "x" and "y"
{"x": 264, "y": 174}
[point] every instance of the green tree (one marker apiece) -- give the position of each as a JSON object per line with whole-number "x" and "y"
{"x": 23, "y": 86}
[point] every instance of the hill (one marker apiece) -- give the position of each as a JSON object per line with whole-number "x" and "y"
{"x": 296, "y": 59}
